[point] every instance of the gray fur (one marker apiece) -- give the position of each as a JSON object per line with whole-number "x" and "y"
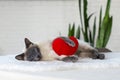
{"x": 34, "y": 53}
{"x": 68, "y": 41}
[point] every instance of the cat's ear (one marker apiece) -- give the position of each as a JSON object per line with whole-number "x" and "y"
{"x": 27, "y": 43}
{"x": 20, "y": 56}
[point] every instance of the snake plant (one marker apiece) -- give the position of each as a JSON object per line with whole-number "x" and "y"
{"x": 89, "y": 32}
{"x": 105, "y": 27}
{"x": 73, "y": 32}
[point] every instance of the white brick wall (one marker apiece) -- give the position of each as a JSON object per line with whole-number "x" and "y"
{"x": 44, "y": 19}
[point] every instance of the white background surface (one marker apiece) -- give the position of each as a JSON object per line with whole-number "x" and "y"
{"x": 45, "y": 19}
{"x": 84, "y": 69}
{"x": 92, "y": 74}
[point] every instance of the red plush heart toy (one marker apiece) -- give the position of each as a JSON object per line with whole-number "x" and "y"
{"x": 65, "y": 46}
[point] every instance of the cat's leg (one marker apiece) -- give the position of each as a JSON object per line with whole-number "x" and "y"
{"x": 70, "y": 59}
{"x": 85, "y": 50}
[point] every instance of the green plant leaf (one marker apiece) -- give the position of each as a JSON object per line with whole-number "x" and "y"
{"x": 69, "y": 30}
{"x": 90, "y": 38}
{"x": 98, "y": 41}
{"x": 73, "y": 30}
{"x": 86, "y": 21}
{"x": 94, "y": 31}
{"x": 108, "y": 31}
{"x": 78, "y": 33}
{"x": 108, "y": 8}
{"x": 108, "y": 24}
{"x": 85, "y": 3}
{"x": 83, "y": 32}
{"x": 104, "y": 28}
{"x": 80, "y": 11}
{"x": 90, "y": 16}
{"x": 102, "y": 33}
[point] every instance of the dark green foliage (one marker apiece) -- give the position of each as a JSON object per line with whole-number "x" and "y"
{"x": 73, "y": 32}
{"x": 105, "y": 27}
{"x": 78, "y": 33}
{"x": 89, "y": 33}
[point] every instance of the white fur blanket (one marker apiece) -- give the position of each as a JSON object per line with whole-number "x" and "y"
{"x": 9, "y": 63}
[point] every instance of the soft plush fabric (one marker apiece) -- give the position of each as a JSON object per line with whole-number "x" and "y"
{"x": 9, "y": 63}
{"x": 61, "y": 47}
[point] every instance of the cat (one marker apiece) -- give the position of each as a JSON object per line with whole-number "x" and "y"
{"x": 44, "y": 52}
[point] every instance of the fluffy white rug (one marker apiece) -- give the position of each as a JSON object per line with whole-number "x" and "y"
{"x": 9, "y": 63}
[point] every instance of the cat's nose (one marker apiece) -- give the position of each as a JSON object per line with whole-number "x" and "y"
{"x": 37, "y": 58}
